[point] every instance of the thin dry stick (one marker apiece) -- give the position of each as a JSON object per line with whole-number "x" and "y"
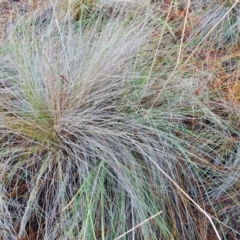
{"x": 179, "y": 55}
{"x": 188, "y": 197}
{"x": 183, "y": 34}
{"x": 159, "y": 42}
{"x": 140, "y": 224}
{"x": 210, "y": 31}
{"x": 158, "y": 46}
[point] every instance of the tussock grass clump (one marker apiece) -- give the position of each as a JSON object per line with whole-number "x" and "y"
{"x": 108, "y": 131}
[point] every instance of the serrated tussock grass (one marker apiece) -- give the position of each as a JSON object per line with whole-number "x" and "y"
{"x": 111, "y": 120}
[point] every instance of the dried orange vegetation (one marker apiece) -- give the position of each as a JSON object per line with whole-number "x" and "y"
{"x": 223, "y": 66}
